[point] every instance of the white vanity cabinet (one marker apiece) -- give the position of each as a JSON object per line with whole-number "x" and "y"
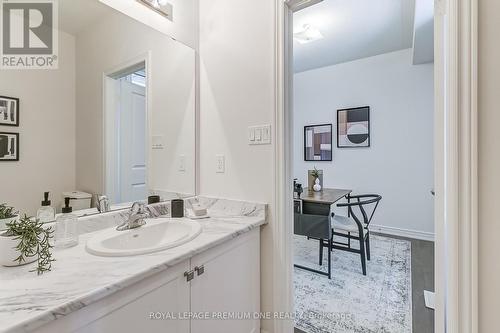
{"x": 223, "y": 281}
{"x": 227, "y": 285}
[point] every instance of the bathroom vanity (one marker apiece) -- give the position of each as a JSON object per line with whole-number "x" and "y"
{"x": 188, "y": 288}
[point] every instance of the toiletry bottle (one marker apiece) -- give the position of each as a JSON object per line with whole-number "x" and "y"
{"x": 46, "y": 213}
{"x": 66, "y": 227}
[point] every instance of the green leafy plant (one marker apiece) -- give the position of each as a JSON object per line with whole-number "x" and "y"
{"x": 34, "y": 240}
{"x": 315, "y": 173}
{"x": 7, "y": 212}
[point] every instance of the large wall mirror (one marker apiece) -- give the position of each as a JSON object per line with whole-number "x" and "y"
{"x": 115, "y": 119}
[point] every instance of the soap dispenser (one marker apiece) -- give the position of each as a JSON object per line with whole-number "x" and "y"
{"x": 66, "y": 227}
{"x": 46, "y": 213}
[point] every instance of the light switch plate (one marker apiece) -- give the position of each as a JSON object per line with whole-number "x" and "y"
{"x": 220, "y": 163}
{"x": 259, "y": 135}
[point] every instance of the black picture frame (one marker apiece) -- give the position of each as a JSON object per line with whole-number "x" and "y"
{"x": 4, "y": 113}
{"x": 330, "y": 138}
{"x": 5, "y": 146}
{"x": 365, "y": 119}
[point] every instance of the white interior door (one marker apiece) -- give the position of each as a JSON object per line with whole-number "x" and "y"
{"x": 132, "y": 129}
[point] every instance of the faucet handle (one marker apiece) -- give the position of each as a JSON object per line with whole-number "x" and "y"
{"x": 139, "y": 208}
{"x": 102, "y": 203}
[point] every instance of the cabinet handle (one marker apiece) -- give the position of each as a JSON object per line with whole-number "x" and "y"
{"x": 189, "y": 275}
{"x": 200, "y": 270}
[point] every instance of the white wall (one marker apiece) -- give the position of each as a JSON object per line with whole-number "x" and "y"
{"x": 489, "y": 165}
{"x": 47, "y": 127}
{"x": 119, "y": 39}
{"x": 237, "y": 91}
{"x": 399, "y": 163}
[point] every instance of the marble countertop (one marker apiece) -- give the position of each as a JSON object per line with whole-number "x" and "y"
{"x": 77, "y": 279}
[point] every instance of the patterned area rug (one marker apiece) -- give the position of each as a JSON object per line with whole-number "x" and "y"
{"x": 350, "y": 302}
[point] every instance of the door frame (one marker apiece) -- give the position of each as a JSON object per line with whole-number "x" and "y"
{"x": 456, "y": 160}
{"x": 107, "y": 114}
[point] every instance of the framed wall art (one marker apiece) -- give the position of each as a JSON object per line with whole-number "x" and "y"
{"x": 9, "y": 146}
{"x": 9, "y": 111}
{"x": 353, "y": 127}
{"x": 318, "y": 142}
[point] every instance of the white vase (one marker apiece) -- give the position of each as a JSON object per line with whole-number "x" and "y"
{"x": 317, "y": 186}
{"x": 9, "y": 254}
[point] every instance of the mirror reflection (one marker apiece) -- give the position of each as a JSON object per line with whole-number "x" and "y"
{"x": 113, "y": 124}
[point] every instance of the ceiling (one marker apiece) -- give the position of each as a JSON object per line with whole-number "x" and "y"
{"x": 76, "y": 15}
{"x": 353, "y": 29}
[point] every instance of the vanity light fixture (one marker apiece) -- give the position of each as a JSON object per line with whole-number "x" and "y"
{"x": 307, "y": 34}
{"x": 160, "y": 6}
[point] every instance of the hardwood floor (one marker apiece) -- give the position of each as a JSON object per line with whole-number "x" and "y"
{"x": 422, "y": 278}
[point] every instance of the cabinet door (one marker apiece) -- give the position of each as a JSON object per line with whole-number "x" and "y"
{"x": 229, "y": 285}
{"x": 152, "y": 311}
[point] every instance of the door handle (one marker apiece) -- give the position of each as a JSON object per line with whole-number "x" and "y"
{"x": 433, "y": 192}
{"x": 200, "y": 270}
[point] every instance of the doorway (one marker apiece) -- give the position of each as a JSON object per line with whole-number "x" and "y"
{"x": 363, "y": 117}
{"x": 126, "y": 133}
{"x": 456, "y": 179}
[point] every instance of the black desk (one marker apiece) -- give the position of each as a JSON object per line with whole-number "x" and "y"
{"x": 312, "y": 218}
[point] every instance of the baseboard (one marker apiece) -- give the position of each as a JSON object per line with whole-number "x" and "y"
{"x": 422, "y": 235}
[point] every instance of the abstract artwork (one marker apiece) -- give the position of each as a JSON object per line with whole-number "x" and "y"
{"x": 353, "y": 127}
{"x": 9, "y": 146}
{"x": 318, "y": 143}
{"x": 9, "y": 111}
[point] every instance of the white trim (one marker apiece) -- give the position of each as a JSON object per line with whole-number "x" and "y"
{"x": 282, "y": 246}
{"x": 455, "y": 168}
{"x": 458, "y": 22}
{"x": 408, "y": 233}
{"x": 439, "y": 166}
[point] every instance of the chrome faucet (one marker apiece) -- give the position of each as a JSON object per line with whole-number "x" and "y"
{"x": 136, "y": 219}
{"x": 102, "y": 203}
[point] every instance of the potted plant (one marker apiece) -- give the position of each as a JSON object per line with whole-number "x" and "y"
{"x": 316, "y": 174}
{"x": 7, "y": 215}
{"x": 25, "y": 241}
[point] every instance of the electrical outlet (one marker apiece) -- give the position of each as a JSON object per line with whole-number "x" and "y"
{"x": 220, "y": 164}
{"x": 182, "y": 163}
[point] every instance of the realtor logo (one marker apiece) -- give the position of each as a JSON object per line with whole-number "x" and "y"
{"x": 29, "y": 34}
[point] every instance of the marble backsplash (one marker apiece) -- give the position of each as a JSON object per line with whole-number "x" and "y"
{"x": 222, "y": 208}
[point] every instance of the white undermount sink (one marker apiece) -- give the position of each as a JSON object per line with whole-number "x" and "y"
{"x": 157, "y": 235}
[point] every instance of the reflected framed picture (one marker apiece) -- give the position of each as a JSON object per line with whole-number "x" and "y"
{"x": 9, "y": 111}
{"x": 9, "y": 146}
{"x": 318, "y": 142}
{"x": 353, "y": 127}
